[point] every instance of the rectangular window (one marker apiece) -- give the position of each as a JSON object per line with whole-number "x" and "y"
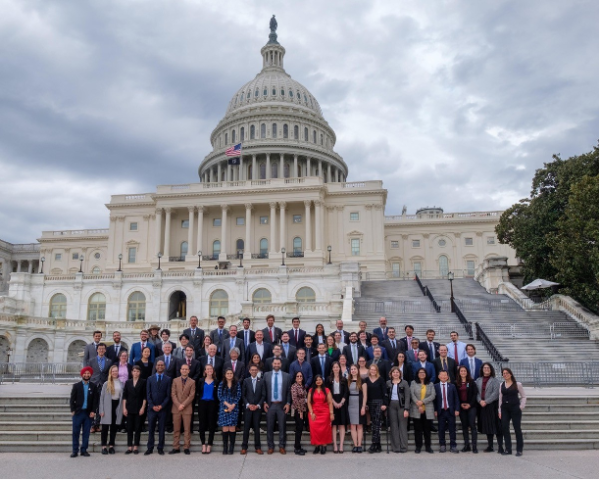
{"x": 396, "y": 270}
{"x": 395, "y": 244}
{"x": 58, "y": 256}
{"x": 354, "y": 216}
{"x": 416, "y": 243}
{"x": 133, "y": 226}
{"x": 417, "y": 268}
{"x": 297, "y": 218}
{"x": 240, "y": 221}
{"x": 355, "y": 245}
{"x": 185, "y": 224}
{"x": 491, "y": 240}
{"x": 470, "y": 268}
{"x": 264, "y": 220}
{"x": 75, "y": 256}
{"x": 468, "y": 241}
{"x": 216, "y": 222}
{"x": 131, "y": 255}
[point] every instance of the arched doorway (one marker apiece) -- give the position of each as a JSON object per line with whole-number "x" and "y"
{"x": 443, "y": 261}
{"x": 37, "y": 351}
{"x": 177, "y": 305}
{"x": 75, "y": 351}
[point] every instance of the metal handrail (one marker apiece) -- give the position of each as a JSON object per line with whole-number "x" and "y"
{"x": 545, "y": 374}
{"x": 420, "y": 284}
{"x": 488, "y": 344}
{"x": 462, "y": 318}
{"x": 430, "y": 296}
{"x": 40, "y": 372}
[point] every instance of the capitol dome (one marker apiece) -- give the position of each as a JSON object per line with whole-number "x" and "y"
{"x": 280, "y": 127}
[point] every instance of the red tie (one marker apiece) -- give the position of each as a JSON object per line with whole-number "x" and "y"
{"x": 415, "y": 354}
{"x": 456, "y": 353}
{"x": 444, "y": 397}
{"x": 189, "y": 362}
{"x": 233, "y": 365}
{"x": 271, "y": 333}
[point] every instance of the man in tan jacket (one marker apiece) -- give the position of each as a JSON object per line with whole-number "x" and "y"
{"x": 183, "y": 392}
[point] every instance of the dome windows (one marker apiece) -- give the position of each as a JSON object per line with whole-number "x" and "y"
{"x": 296, "y": 132}
{"x": 233, "y": 136}
{"x": 298, "y": 95}
{"x": 265, "y": 92}
{"x": 274, "y": 92}
{"x": 242, "y": 131}
{"x": 248, "y": 96}
{"x": 321, "y": 139}
{"x": 256, "y": 93}
{"x": 314, "y": 136}
{"x": 263, "y": 130}
{"x": 305, "y": 134}
{"x": 291, "y": 94}
{"x": 282, "y": 92}
{"x": 274, "y": 130}
{"x": 285, "y": 130}
{"x": 305, "y": 99}
{"x": 226, "y": 141}
{"x": 252, "y": 132}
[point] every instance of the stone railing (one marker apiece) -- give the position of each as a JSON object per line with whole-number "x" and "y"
{"x": 291, "y": 308}
{"x": 76, "y": 233}
{"x": 493, "y": 214}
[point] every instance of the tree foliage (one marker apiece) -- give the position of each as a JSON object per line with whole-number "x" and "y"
{"x": 555, "y": 231}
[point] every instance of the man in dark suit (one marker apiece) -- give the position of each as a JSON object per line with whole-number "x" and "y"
{"x": 309, "y": 349}
{"x": 381, "y": 330}
{"x": 339, "y": 325}
{"x": 113, "y": 351}
{"x": 383, "y": 365}
{"x": 100, "y": 366}
{"x": 423, "y": 363}
{"x": 265, "y": 350}
{"x": 353, "y": 350}
{"x": 195, "y": 367}
{"x": 172, "y": 364}
{"x": 277, "y": 404}
{"x": 213, "y": 359}
{"x": 136, "y": 349}
{"x": 165, "y": 335}
{"x": 288, "y": 350}
{"x": 393, "y": 346}
{"x": 406, "y": 340}
{"x": 321, "y": 363}
{"x": 246, "y": 334}
{"x": 362, "y": 327}
{"x": 412, "y": 354}
{"x": 232, "y": 342}
{"x": 253, "y": 398}
{"x": 236, "y": 363}
{"x": 375, "y": 343}
{"x": 83, "y": 403}
{"x": 272, "y": 334}
{"x": 195, "y": 334}
{"x": 362, "y": 340}
{"x": 219, "y": 334}
{"x": 158, "y": 388}
{"x": 296, "y": 333}
{"x": 447, "y": 408}
{"x": 89, "y": 351}
{"x": 277, "y": 355}
{"x": 445, "y": 363}
{"x": 472, "y": 363}
{"x": 184, "y": 341}
{"x": 432, "y": 348}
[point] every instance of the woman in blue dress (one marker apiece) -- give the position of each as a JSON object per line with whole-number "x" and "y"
{"x": 229, "y": 394}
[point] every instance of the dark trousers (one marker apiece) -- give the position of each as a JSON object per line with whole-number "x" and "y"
{"x": 275, "y": 413}
{"x": 468, "y": 418}
{"x": 447, "y": 420}
{"x": 422, "y": 430}
{"x": 207, "y": 415}
{"x": 512, "y": 412}
{"x": 153, "y": 419}
{"x": 81, "y": 421}
{"x": 113, "y": 426}
{"x": 134, "y": 429}
{"x": 376, "y": 417}
{"x": 251, "y": 419}
{"x": 299, "y": 428}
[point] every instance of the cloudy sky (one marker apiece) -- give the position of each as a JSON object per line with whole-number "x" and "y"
{"x": 451, "y": 103}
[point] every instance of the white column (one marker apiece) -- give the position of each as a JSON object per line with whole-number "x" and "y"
{"x": 229, "y": 177}
{"x": 308, "y": 234}
{"x": 295, "y": 167}
{"x": 211, "y": 176}
{"x": 255, "y": 174}
{"x": 329, "y": 173}
{"x": 224, "y": 209}
{"x": 268, "y": 175}
{"x": 167, "y": 251}
{"x": 200, "y": 224}
{"x": 158, "y": 234}
{"x": 282, "y": 242}
{"x": 281, "y": 165}
{"x": 341, "y": 229}
{"x": 241, "y": 172}
{"x": 308, "y": 166}
{"x": 248, "y": 242}
{"x": 318, "y": 225}
{"x": 191, "y": 215}
{"x": 219, "y": 172}
{"x": 272, "y": 219}
{"x": 321, "y": 168}
{"x": 29, "y": 266}
{"x": 18, "y": 266}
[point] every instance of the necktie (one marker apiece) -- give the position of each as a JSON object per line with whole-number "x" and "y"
{"x": 285, "y": 347}
{"x": 254, "y": 385}
{"x": 444, "y": 396}
{"x": 276, "y": 388}
{"x": 296, "y": 335}
{"x": 189, "y": 362}
{"x": 472, "y": 367}
{"x": 323, "y": 366}
{"x": 271, "y": 334}
{"x": 432, "y": 351}
{"x": 193, "y": 332}
{"x": 233, "y": 366}
{"x": 354, "y": 353}
{"x": 231, "y": 344}
{"x": 246, "y": 337}
{"x": 117, "y": 350}
{"x": 101, "y": 364}
{"x": 167, "y": 361}
{"x": 394, "y": 344}
{"x": 220, "y": 335}
{"x": 143, "y": 346}
{"x": 210, "y": 361}
{"x": 456, "y": 352}
{"x": 159, "y": 379}
{"x": 444, "y": 365}
{"x": 415, "y": 354}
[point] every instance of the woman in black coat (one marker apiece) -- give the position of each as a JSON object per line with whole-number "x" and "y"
{"x": 134, "y": 408}
{"x": 145, "y": 364}
{"x": 467, "y": 394}
{"x": 338, "y": 386}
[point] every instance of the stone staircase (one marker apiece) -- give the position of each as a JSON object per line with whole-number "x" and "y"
{"x": 29, "y": 424}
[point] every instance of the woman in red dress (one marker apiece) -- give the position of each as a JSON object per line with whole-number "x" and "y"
{"x": 320, "y": 407}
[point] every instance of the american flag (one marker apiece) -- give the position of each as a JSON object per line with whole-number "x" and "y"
{"x": 234, "y": 151}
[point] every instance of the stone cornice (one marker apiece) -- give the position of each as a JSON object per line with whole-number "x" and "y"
{"x": 420, "y": 223}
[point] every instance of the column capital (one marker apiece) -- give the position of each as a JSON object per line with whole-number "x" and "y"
{"x": 249, "y": 206}
{"x": 225, "y": 207}
{"x": 369, "y": 206}
{"x": 318, "y": 203}
{"x": 273, "y": 205}
{"x": 282, "y": 205}
{"x": 378, "y": 206}
{"x": 200, "y": 208}
{"x": 295, "y": 156}
{"x": 253, "y": 156}
{"x": 191, "y": 209}
{"x": 339, "y": 208}
{"x": 168, "y": 209}
{"x": 159, "y": 211}
{"x": 307, "y": 203}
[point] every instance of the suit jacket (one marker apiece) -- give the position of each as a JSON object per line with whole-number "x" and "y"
{"x": 478, "y": 364}
{"x": 239, "y": 343}
{"x": 89, "y": 352}
{"x": 111, "y": 353}
{"x": 492, "y": 390}
{"x": 407, "y": 373}
{"x": 403, "y": 391}
{"x": 285, "y": 387}
{"x": 285, "y": 366}
{"x": 345, "y": 336}
{"x": 334, "y": 355}
{"x": 179, "y": 352}
{"x": 135, "y": 353}
{"x": 195, "y": 368}
{"x": 277, "y": 332}
{"x": 451, "y": 369}
{"x": 310, "y": 353}
{"x": 428, "y": 367}
{"x": 392, "y": 352}
{"x": 301, "y": 335}
{"x": 425, "y": 346}
{"x": 452, "y": 398}
{"x": 348, "y": 352}
{"x": 316, "y": 342}
{"x": 429, "y": 400}
{"x": 379, "y": 332}
{"x": 251, "y": 350}
{"x": 384, "y": 368}
{"x": 77, "y": 397}
{"x": 306, "y": 370}
{"x": 183, "y": 395}
{"x": 99, "y": 377}
{"x": 472, "y": 392}
{"x": 369, "y": 352}
{"x": 218, "y": 366}
{"x": 214, "y": 336}
{"x": 158, "y": 347}
{"x": 291, "y": 355}
{"x": 253, "y": 397}
{"x": 200, "y": 389}
{"x": 172, "y": 370}
{"x": 134, "y": 396}
{"x": 196, "y": 340}
{"x": 410, "y": 356}
{"x": 240, "y": 335}
{"x": 158, "y": 394}
{"x": 240, "y": 368}
{"x": 405, "y": 342}
{"x": 105, "y": 407}
{"x": 315, "y": 364}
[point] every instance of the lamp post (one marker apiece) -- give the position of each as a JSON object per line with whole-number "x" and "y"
{"x": 199, "y": 259}
{"x": 283, "y": 257}
{"x": 80, "y": 263}
{"x": 8, "y": 353}
{"x": 451, "y": 277}
{"x": 329, "y": 251}
{"x": 159, "y": 255}
{"x": 120, "y": 260}
{"x": 240, "y": 256}
{"x": 43, "y": 259}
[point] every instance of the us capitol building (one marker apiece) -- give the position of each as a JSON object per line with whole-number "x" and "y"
{"x": 280, "y": 231}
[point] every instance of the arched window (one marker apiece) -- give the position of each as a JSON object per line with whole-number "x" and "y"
{"x": 314, "y": 136}
{"x": 262, "y": 295}
{"x": 296, "y": 134}
{"x": 443, "y": 261}
{"x": 274, "y": 130}
{"x": 285, "y": 130}
{"x": 226, "y": 139}
{"x": 305, "y": 134}
{"x": 136, "y": 307}
{"x": 239, "y": 245}
{"x": 274, "y": 92}
{"x": 252, "y": 132}
{"x": 286, "y": 170}
{"x": 263, "y": 171}
{"x": 256, "y": 93}
{"x": 97, "y": 307}
{"x": 241, "y": 97}
{"x": 291, "y": 94}
{"x": 184, "y": 249}
{"x": 263, "y": 130}
{"x": 219, "y": 303}
{"x": 305, "y": 295}
{"x": 282, "y": 92}
{"x": 265, "y": 92}
{"x": 58, "y": 306}
{"x": 248, "y": 96}
{"x": 233, "y": 136}
{"x": 274, "y": 170}
{"x": 321, "y": 139}
{"x": 298, "y": 95}
{"x": 216, "y": 248}
{"x": 305, "y": 99}
{"x": 264, "y": 247}
{"x": 96, "y": 271}
{"x": 242, "y": 134}
{"x": 297, "y": 245}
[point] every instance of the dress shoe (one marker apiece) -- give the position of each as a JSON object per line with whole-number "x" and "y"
{"x": 443, "y": 449}
{"x": 317, "y": 450}
{"x": 372, "y": 448}
{"x": 161, "y": 451}
{"x": 360, "y": 450}
{"x": 85, "y": 454}
{"x": 506, "y": 452}
{"x": 489, "y": 449}
{"x": 354, "y": 449}
{"x": 500, "y": 450}
{"x": 519, "y": 454}
{"x": 74, "y": 454}
{"x": 243, "y": 451}
{"x": 104, "y": 451}
{"x": 454, "y": 450}
{"x": 186, "y": 451}
{"x": 323, "y": 450}
{"x": 475, "y": 450}
{"x": 150, "y": 451}
{"x": 174, "y": 451}
{"x": 259, "y": 451}
{"x": 270, "y": 451}
{"x": 299, "y": 451}
{"x": 169, "y": 430}
{"x": 128, "y": 452}
{"x": 136, "y": 452}
{"x": 466, "y": 448}
{"x": 378, "y": 447}
{"x": 111, "y": 450}
{"x": 282, "y": 450}
{"x": 429, "y": 450}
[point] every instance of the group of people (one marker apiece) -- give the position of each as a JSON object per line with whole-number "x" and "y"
{"x": 328, "y": 383}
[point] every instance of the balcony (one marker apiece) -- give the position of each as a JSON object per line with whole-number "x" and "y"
{"x": 177, "y": 259}
{"x": 297, "y": 254}
{"x": 260, "y": 255}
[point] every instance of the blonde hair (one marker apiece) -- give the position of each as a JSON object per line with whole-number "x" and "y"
{"x": 111, "y": 380}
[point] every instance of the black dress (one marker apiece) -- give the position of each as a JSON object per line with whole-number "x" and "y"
{"x": 340, "y": 415}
